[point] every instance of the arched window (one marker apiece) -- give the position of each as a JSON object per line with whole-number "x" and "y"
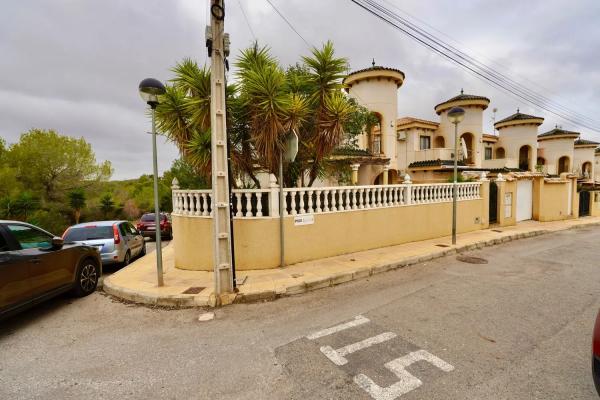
{"x": 586, "y": 169}
{"x": 500, "y": 152}
{"x": 469, "y": 143}
{"x": 439, "y": 142}
{"x": 564, "y": 164}
{"x": 524, "y": 153}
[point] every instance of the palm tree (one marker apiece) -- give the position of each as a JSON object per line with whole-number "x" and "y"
{"x": 77, "y": 202}
{"x": 107, "y": 205}
{"x": 266, "y": 103}
{"x": 332, "y": 108}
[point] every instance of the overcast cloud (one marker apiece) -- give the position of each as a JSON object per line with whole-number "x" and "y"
{"x": 74, "y": 65}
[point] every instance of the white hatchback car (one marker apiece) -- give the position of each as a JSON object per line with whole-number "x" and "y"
{"x": 118, "y": 241}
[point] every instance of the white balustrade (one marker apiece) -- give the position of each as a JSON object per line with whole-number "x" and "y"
{"x": 250, "y": 203}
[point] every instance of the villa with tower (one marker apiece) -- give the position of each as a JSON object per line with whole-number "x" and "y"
{"x": 425, "y": 149}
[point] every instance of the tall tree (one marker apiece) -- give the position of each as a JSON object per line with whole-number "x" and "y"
{"x": 53, "y": 164}
{"x": 77, "y": 202}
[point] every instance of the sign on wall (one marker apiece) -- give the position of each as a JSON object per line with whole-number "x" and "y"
{"x": 304, "y": 219}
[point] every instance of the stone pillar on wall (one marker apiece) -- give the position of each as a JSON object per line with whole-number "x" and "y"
{"x": 485, "y": 206}
{"x": 538, "y": 197}
{"x": 355, "y": 168}
{"x": 574, "y": 197}
{"x": 386, "y": 172}
{"x": 408, "y": 190}
{"x": 274, "y": 197}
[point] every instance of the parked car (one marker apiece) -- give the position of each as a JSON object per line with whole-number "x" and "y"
{"x": 596, "y": 353}
{"x": 36, "y": 265}
{"x": 147, "y": 225}
{"x": 117, "y": 241}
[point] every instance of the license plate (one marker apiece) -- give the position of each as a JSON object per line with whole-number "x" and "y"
{"x": 151, "y": 228}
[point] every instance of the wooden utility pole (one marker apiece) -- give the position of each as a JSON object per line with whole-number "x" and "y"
{"x": 215, "y": 41}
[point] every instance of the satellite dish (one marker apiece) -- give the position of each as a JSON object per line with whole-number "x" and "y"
{"x": 291, "y": 147}
{"x": 465, "y": 151}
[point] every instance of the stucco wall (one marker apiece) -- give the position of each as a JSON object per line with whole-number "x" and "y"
{"x": 380, "y": 96}
{"x": 512, "y": 138}
{"x": 595, "y": 204}
{"x": 582, "y": 155}
{"x": 257, "y": 240}
{"x": 553, "y": 149}
{"x": 553, "y": 204}
{"x": 507, "y": 218}
{"x": 472, "y": 123}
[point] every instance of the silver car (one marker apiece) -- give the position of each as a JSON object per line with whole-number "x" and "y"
{"x": 118, "y": 241}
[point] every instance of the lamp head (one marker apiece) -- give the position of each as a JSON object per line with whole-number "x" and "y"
{"x": 150, "y": 89}
{"x": 456, "y": 115}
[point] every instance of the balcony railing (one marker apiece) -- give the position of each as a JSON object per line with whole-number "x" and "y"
{"x": 434, "y": 154}
{"x": 257, "y": 203}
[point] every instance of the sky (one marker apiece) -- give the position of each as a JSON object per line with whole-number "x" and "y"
{"x": 74, "y": 65}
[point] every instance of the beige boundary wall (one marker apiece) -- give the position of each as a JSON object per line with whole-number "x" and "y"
{"x": 551, "y": 199}
{"x": 257, "y": 239}
{"x": 595, "y": 203}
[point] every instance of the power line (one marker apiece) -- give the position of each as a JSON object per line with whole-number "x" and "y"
{"x": 523, "y": 92}
{"x": 473, "y": 66}
{"x": 289, "y": 24}
{"x": 498, "y": 75}
{"x": 247, "y": 20}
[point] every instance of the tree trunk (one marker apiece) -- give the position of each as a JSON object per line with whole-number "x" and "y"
{"x": 77, "y": 216}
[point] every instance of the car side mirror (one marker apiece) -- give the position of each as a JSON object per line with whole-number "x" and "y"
{"x": 57, "y": 243}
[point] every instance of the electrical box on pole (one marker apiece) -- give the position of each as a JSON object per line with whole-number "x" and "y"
{"x": 216, "y": 44}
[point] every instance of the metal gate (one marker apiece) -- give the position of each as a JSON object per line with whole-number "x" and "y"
{"x": 584, "y": 203}
{"x": 493, "y": 202}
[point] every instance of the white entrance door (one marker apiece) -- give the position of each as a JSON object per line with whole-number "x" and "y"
{"x": 524, "y": 200}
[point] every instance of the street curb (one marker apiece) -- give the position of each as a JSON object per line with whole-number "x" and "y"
{"x": 314, "y": 283}
{"x": 152, "y": 299}
{"x": 334, "y": 280}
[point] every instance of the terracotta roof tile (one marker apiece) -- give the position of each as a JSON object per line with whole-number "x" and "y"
{"x": 518, "y": 116}
{"x": 375, "y": 68}
{"x": 585, "y": 141}
{"x": 434, "y": 163}
{"x": 463, "y": 96}
{"x": 558, "y": 132}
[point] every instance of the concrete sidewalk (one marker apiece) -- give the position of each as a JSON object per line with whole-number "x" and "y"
{"x": 137, "y": 282}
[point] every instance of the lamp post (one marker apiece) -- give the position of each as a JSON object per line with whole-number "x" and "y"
{"x": 150, "y": 89}
{"x": 455, "y": 115}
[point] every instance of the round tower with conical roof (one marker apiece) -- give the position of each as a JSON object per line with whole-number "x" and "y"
{"x": 376, "y": 88}
{"x": 470, "y": 129}
{"x": 518, "y": 138}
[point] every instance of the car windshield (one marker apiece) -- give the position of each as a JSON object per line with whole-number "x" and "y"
{"x": 89, "y": 233}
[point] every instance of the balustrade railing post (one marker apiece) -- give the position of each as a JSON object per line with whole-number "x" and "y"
{"x": 273, "y": 198}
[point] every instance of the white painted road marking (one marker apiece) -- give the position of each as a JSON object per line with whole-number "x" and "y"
{"x": 337, "y": 356}
{"x": 407, "y": 381}
{"x": 358, "y": 320}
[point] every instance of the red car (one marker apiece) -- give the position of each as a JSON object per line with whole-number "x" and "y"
{"x": 147, "y": 226}
{"x": 596, "y": 353}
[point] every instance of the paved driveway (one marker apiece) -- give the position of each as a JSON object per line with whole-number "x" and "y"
{"x": 518, "y": 327}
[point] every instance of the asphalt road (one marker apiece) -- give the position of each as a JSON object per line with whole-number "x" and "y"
{"x": 518, "y": 327}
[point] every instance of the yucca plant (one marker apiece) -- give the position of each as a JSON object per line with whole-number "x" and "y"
{"x": 266, "y": 103}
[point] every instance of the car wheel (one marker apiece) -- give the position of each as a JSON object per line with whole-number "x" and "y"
{"x": 127, "y": 259}
{"x": 143, "y": 252}
{"x": 88, "y": 274}
{"x": 170, "y": 235}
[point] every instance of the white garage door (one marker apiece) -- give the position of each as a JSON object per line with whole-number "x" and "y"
{"x": 524, "y": 200}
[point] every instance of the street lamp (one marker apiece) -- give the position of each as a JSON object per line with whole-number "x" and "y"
{"x": 150, "y": 89}
{"x": 455, "y": 115}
